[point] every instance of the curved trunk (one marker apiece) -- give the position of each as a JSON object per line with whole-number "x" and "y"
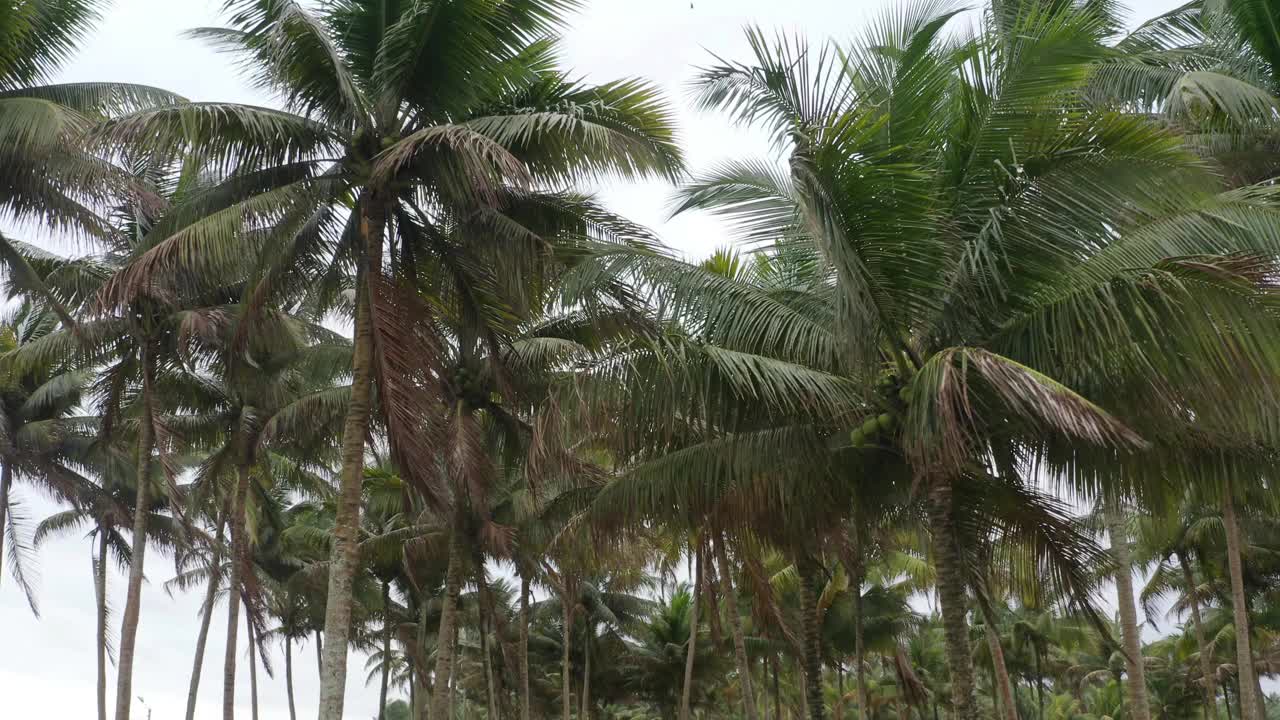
{"x": 686, "y": 689}
{"x": 345, "y": 556}
{"x": 138, "y": 548}
{"x": 810, "y": 590}
{"x": 288, "y": 676}
{"x": 1136, "y": 687}
{"x": 566, "y": 668}
{"x": 100, "y": 614}
{"x": 386, "y": 651}
{"x": 952, "y": 598}
{"x": 735, "y": 626}
{"x": 1001, "y": 671}
{"x": 1202, "y": 647}
{"x": 448, "y": 622}
{"x": 1250, "y": 708}
{"x": 524, "y": 647}
{"x": 206, "y": 616}
{"x": 239, "y": 558}
{"x": 6, "y": 482}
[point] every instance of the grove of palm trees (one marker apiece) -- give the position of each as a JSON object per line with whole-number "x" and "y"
{"x": 976, "y": 415}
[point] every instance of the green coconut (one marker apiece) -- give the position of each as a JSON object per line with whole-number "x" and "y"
{"x": 871, "y": 427}
{"x": 905, "y": 394}
{"x": 886, "y": 422}
{"x": 856, "y": 438}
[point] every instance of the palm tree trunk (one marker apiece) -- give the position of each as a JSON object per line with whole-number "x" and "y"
{"x": 566, "y": 668}
{"x": 346, "y": 530}
{"x": 1248, "y": 700}
{"x": 952, "y": 598}
{"x": 777, "y": 689}
{"x": 1206, "y": 665}
{"x": 686, "y": 689}
{"x": 239, "y": 558}
{"x": 6, "y": 482}
{"x": 288, "y": 676}
{"x": 100, "y": 614}
{"x": 735, "y": 626}
{"x": 585, "y": 713}
{"x": 998, "y": 667}
{"x": 1226, "y": 699}
{"x": 138, "y": 548}
{"x": 206, "y": 616}
{"x": 486, "y": 655}
{"x": 1136, "y": 687}
{"x": 253, "y": 666}
{"x": 1039, "y": 682}
{"x": 810, "y": 591}
{"x": 855, "y": 567}
{"x": 386, "y": 650}
{"x": 525, "y": 700}
{"x": 319, "y": 654}
{"x": 448, "y": 621}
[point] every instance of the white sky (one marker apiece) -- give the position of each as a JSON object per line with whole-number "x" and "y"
{"x": 47, "y": 665}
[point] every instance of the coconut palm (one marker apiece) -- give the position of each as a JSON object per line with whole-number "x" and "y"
{"x": 428, "y": 114}
{"x": 983, "y": 242}
{"x": 48, "y": 177}
{"x": 105, "y": 508}
{"x": 40, "y": 431}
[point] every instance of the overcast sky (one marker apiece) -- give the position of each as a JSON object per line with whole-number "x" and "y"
{"x": 47, "y": 665}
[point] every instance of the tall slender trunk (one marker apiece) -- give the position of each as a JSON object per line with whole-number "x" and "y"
{"x": 1136, "y": 687}
{"x": 138, "y": 548}
{"x": 585, "y": 713}
{"x": 6, "y": 482}
{"x": 486, "y": 654}
{"x": 206, "y": 616}
{"x": 1039, "y": 682}
{"x": 1202, "y": 646}
{"x": 998, "y": 667}
{"x": 735, "y": 626}
{"x": 952, "y": 596}
{"x": 686, "y": 689}
{"x": 386, "y": 650}
{"x": 250, "y": 635}
{"x": 100, "y": 615}
{"x": 777, "y": 689}
{"x": 288, "y": 676}
{"x": 525, "y": 701}
{"x": 566, "y": 667}
{"x": 1250, "y": 708}
{"x": 810, "y": 591}
{"x": 319, "y": 654}
{"x": 855, "y": 567}
{"x": 346, "y": 530}
{"x": 448, "y": 622}
{"x": 1226, "y": 699}
{"x": 239, "y": 560}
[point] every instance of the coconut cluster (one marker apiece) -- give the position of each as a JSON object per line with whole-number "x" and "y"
{"x": 896, "y": 396}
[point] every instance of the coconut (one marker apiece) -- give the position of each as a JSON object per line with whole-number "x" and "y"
{"x": 885, "y": 421}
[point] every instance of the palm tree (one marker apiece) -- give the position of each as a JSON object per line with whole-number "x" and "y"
{"x": 39, "y": 428}
{"x": 48, "y": 177}
{"x": 953, "y": 283}
{"x": 106, "y": 508}
{"x": 431, "y": 114}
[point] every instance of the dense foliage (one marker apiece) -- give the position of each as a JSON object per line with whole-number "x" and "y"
{"x": 999, "y": 333}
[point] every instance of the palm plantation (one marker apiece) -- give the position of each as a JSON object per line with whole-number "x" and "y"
{"x": 996, "y": 341}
